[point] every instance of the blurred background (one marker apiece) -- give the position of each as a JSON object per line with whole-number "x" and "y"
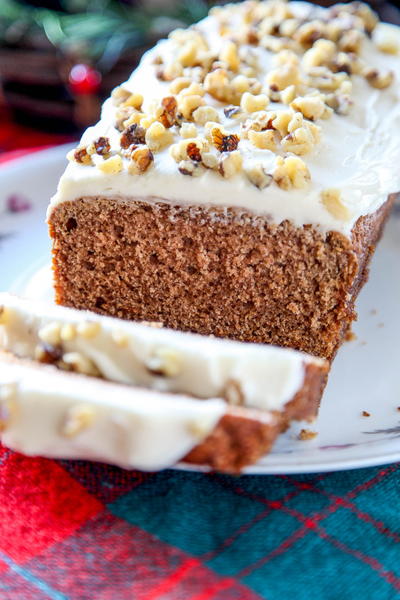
{"x": 60, "y": 58}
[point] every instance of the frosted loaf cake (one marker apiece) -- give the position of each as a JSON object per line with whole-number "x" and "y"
{"x": 238, "y": 182}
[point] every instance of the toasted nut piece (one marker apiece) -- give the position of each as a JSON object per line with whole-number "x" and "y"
{"x": 288, "y": 94}
{"x": 258, "y": 176}
{"x": 331, "y": 199}
{"x": 379, "y": 79}
{"x": 263, "y": 139}
{"x": 321, "y": 53}
{"x": 78, "y": 418}
{"x": 387, "y": 39}
{"x": 142, "y": 158}
{"x": 75, "y": 361}
{"x": 204, "y": 114}
{"x": 251, "y": 103}
{"x": 50, "y": 334}
{"x": 229, "y": 54}
{"x": 146, "y": 121}
{"x": 209, "y": 160}
{"x": 194, "y": 89}
{"x": 190, "y": 167}
{"x": 134, "y": 100}
{"x": 47, "y": 354}
{"x": 102, "y": 146}
{"x": 80, "y": 156}
{"x": 291, "y": 172}
{"x": 300, "y": 141}
{"x": 188, "y": 55}
{"x": 179, "y": 151}
{"x": 350, "y": 41}
{"x": 233, "y": 393}
{"x": 158, "y": 137}
{"x": 281, "y": 122}
{"x": 170, "y": 72}
{"x": 179, "y": 84}
{"x": 312, "y": 107}
{"x": 166, "y": 113}
{"x": 217, "y": 85}
{"x": 232, "y": 112}
{"x": 240, "y": 84}
{"x": 134, "y": 134}
{"x": 283, "y": 76}
{"x": 224, "y": 142}
{"x": 165, "y": 362}
{"x": 133, "y": 119}
{"x": 188, "y": 104}
{"x": 68, "y": 332}
{"x": 112, "y": 165}
{"x": 120, "y": 95}
{"x": 230, "y": 163}
{"x": 188, "y": 130}
{"x": 88, "y": 329}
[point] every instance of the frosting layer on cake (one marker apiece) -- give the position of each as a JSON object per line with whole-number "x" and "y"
{"x": 356, "y": 157}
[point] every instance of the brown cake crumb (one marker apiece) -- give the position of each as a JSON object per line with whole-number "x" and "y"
{"x": 307, "y": 434}
{"x": 365, "y": 413}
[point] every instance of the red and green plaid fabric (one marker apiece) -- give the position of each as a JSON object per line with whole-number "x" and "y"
{"x": 72, "y": 530}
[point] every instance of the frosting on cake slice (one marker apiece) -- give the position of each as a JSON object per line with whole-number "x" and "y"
{"x": 252, "y": 375}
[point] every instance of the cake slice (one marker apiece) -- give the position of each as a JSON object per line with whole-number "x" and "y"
{"x": 249, "y": 375}
{"x": 238, "y": 182}
{"x": 47, "y": 412}
{"x": 74, "y": 384}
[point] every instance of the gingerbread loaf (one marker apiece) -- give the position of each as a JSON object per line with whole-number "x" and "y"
{"x": 238, "y": 182}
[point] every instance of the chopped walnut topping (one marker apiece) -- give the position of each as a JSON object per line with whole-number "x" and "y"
{"x": 258, "y": 176}
{"x": 102, "y": 146}
{"x": 68, "y": 332}
{"x": 48, "y": 354}
{"x": 190, "y": 167}
{"x": 188, "y": 104}
{"x": 311, "y": 107}
{"x": 134, "y": 134}
{"x": 168, "y": 111}
{"x": 188, "y": 130}
{"x": 209, "y": 160}
{"x": 77, "y": 419}
{"x": 120, "y": 95}
{"x": 291, "y": 172}
{"x": 179, "y": 151}
{"x": 263, "y": 139}
{"x": 229, "y": 54}
{"x": 387, "y": 39}
{"x": 179, "y": 84}
{"x": 232, "y": 111}
{"x": 193, "y": 152}
{"x": 204, "y": 114}
{"x": 111, "y": 166}
{"x": 81, "y": 156}
{"x": 331, "y": 199}
{"x": 230, "y": 163}
{"x": 141, "y": 159}
{"x": 77, "y": 362}
{"x": 283, "y": 76}
{"x": 251, "y": 103}
{"x": 224, "y": 142}
{"x": 165, "y": 362}
{"x": 88, "y": 329}
{"x": 4, "y": 315}
{"x": 379, "y": 79}
{"x": 50, "y": 334}
{"x": 158, "y": 137}
{"x": 307, "y": 434}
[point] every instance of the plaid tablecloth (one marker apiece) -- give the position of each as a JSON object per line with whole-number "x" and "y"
{"x": 72, "y": 530}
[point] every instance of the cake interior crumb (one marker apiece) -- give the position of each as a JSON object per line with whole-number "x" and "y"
{"x": 307, "y": 434}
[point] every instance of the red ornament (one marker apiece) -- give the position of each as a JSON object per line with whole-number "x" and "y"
{"x": 84, "y": 80}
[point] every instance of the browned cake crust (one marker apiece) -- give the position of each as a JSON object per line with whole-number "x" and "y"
{"x": 212, "y": 270}
{"x": 242, "y": 437}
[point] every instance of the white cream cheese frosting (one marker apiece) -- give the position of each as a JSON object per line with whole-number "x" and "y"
{"x": 358, "y": 153}
{"x": 253, "y": 375}
{"x": 62, "y": 415}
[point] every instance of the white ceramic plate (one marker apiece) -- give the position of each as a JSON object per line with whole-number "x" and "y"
{"x": 365, "y": 375}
